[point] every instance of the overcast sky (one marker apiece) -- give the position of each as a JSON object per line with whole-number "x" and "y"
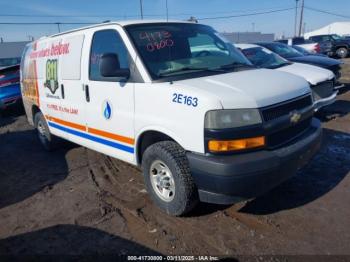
{"x": 97, "y": 11}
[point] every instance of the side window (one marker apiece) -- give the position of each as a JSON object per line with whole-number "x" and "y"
{"x": 106, "y": 41}
{"x": 315, "y": 38}
{"x": 326, "y": 38}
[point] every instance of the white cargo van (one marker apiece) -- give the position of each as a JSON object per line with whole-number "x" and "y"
{"x": 176, "y": 99}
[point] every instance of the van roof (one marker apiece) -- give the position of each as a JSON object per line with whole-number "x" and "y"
{"x": 121, "y": 23}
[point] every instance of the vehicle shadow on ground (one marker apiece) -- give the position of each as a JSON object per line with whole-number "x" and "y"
{"x": 89, "y": 243}
{"x": 9, "y": 115}
{"x": 22, "y": 176}
{"x": 345, "y": 89}
{"x": 328, "y": 168}
{"x": 339, "y": 108}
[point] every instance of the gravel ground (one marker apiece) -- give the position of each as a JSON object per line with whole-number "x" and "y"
{"x": 77, "y": 201}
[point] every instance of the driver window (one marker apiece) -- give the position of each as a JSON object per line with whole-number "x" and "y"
{"x": 106, "y": 41}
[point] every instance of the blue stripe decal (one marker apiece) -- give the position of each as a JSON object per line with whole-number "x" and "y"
{"x": 93, "y": 138}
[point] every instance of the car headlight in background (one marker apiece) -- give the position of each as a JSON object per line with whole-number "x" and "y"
{"x": 227, "y": 118}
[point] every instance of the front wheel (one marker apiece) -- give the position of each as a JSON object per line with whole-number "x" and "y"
{"x": 342, "y": 52}
{"x": 168, "y": 179}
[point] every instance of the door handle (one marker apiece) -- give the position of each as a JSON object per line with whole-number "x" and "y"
{"x": 62, "y": 91}
{"x": 87, "y": 94}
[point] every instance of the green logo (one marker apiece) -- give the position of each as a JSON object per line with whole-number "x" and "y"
{"x": 51, "y": 75}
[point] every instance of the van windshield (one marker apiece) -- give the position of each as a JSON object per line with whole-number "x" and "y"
{"x": 183, "y": 49}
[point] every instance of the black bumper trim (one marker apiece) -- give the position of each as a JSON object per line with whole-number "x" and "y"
{"x": 228, "y": 179}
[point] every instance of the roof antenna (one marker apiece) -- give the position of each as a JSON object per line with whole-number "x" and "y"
{"x": 141, "y": 10}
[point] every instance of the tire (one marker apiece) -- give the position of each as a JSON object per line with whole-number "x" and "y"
{"x": 47, "y": 140}
{"x": 168, "y": 156}
{"x": 342, "y": 52}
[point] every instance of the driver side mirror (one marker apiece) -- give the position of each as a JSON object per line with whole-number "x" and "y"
{"x": 110, "y": 66}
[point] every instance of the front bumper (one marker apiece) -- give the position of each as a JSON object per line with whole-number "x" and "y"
{"x": 233, "y": 178}
{"x": 338, "y": 86}
{"x": 325, "y": 101}
{"x": 10, "y": 101}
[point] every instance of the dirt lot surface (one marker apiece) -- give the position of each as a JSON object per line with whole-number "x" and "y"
{"x": 77, "y": 201}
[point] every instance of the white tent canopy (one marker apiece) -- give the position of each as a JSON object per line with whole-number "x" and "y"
{"x": 339, "y": 28}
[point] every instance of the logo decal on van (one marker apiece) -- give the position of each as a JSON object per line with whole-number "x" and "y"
{"x": 107, "y": 110}
{"x": 51, "y": 75}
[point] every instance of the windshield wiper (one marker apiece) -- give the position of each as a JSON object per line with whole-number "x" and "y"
{"x": 187, "y": 68}
{"x": 235, "y": 65}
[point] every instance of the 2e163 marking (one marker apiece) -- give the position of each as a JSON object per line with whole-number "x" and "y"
{"x": 186, "y": 100}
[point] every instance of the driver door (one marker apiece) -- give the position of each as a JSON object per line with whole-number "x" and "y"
{"x": 109, "y": 101}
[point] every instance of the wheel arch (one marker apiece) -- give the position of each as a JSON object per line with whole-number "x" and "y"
{"x": 149, "y": 136}
{"x": 35, "y": 109}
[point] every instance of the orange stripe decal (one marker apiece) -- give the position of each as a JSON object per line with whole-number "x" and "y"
{"x": 124, "y": 139}
{"x": 94, "y": 131}
{"x": 66, "y": 123}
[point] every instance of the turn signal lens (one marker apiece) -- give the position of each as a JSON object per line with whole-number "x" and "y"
{"x": 234, "y": 145}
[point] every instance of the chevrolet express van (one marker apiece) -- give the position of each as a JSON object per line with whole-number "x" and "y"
{"x": 176, "y": 99}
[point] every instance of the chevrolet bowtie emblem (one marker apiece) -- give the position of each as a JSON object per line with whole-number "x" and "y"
{"x": 295, "y": 117}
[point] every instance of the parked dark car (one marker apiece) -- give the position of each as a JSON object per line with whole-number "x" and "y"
{"x": 306, "y": 52}
{"x": 340, "y": 46}
{"x": 10, "y": 91}
{"x": 293, "y": 55}
{"x": 309, "y": 45}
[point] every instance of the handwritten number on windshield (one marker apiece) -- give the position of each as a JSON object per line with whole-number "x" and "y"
{"x": 157, "y": 40}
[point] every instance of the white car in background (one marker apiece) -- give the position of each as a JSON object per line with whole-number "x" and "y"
{"x": 321, "y": 80}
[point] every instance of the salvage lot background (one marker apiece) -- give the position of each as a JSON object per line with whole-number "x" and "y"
{"x": 77, "y": 201}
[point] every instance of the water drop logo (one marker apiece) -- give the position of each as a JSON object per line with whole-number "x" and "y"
{"x": 107, "y": 110}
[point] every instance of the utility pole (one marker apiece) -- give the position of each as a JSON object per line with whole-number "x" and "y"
{"x": 167, "y": 13}
{"x": 301, "y": 17}
{"x": 253, "y": 27}
{"x": 296, "y": 17}
{"x": 141, "y": 9}
{"x": 58, "y": 27}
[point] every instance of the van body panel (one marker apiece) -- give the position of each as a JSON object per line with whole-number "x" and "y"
{"x": 153, "y": 103}
{"x": 251, "y": 88}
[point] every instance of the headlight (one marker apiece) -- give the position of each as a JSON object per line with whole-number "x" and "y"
{"x": 218, "y": 119}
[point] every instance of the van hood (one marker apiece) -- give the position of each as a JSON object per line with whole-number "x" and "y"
{"x": 313, "y": 74}
{"x": 249, "y": 89}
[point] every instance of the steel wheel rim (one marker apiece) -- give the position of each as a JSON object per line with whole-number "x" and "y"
{"x": 341, "y": 52}
{"x": 162, "y": 181}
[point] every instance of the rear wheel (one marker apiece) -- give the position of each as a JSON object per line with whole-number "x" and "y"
{"x": 168, "y": 179}
{"x": 48, "y": 141}
{"x": 342, "y": 52}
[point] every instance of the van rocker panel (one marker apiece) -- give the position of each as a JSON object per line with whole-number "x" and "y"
{"x": 228, "y": 179}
